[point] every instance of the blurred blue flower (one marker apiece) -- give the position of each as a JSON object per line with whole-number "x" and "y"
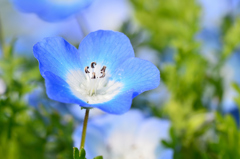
{"x": 130, "y": 136}
{"x": 213, "y": 12}
{"x": 3, "y": 87}
{"x": 103, "y": 73}
{"x": 52, "y": 10}
{"x": 37, "y": 98}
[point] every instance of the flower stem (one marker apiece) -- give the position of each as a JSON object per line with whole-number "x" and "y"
{"x": 84, "y": 130}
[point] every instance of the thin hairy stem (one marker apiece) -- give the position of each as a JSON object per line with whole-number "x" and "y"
{"x": 84, "y": 130}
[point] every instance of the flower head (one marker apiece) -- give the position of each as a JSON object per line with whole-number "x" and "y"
{"x": 52, "y": 10}
{"x": 130, "y": 136}
{"x": 103, "y": 73}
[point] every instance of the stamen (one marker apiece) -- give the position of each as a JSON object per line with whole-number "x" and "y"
{"x": 103, "y": 69}
{"x": 103, "y": 75}
{"x": 94, "y": 75}
{"x": 92, "y": 64}
{"x": 94, "y": 84}
{"x": 86, "y": 69}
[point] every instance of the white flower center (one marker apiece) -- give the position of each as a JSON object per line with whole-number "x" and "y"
{"x": 93, "y": 85}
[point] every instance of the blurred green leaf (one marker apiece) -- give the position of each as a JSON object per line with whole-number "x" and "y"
{"x": 230, "y": 40}
{"x": 168, "y": 21}
{"x": 82, "y": 154}
{"x": 28, "y": 132}
{"x": 98, "y": 157}
{"x": 76, "y": 153}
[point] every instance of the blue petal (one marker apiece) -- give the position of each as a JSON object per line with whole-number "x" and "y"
{"x": 57, "y": 56}
{"x": 107, "y": 48}
{"x": 58, "y": 89}
{"x": 52, "y": 10}
{"x": 120, "y": 104}
{"x": 28, "y": 5}
{"x": 138, "y": 74}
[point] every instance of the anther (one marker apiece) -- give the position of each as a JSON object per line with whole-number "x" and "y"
{"x": 92, "y": 64}
{"x": 94, "y": 75}
{"x": 103, "y": 75}
{"x": 103, "y": 69}
{"x": 86, "y": 69}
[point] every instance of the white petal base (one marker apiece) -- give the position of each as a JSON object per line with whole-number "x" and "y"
{"x": 92, "y": 91}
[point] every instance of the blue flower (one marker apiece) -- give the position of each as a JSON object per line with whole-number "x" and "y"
{"x": 130, "y": 136}
{"x": 3, "y": 87}
{"x": 52, "y": 10}
{"x": 103, "y": 73}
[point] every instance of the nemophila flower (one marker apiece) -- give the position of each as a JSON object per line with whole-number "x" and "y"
{"x": 130, "y": 136}
{"x": 52, "y": 10}
{"x": 103, "y": 73}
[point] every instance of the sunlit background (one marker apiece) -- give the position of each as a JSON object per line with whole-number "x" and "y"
{"x": 194, "y": 113}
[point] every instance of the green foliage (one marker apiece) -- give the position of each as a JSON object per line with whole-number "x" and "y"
{"x": 228, "y": 138}
{"x": 98, "y": 157}
{"x": 82, "y": 154}
{"x": 237, "y": 99}
{"x": 167, "y": 21}
{"x": 76, "y": 153}
{"x": 79, "y": 155}
{"x": 28, "y": 132}
{"x": 195, "y": 83}
{"x": 230, "y": 40}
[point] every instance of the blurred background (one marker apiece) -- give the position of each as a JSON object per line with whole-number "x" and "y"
{"x": 195, "y": 45}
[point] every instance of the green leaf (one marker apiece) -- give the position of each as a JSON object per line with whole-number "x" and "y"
{"x": 98, "y": 157}
{"x": 75, "y": 153}
{"x": 82, "y": 154}
{"x": 236, "y": 87}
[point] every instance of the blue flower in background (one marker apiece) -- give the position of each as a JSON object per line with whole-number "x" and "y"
{"x": 3, "y": 87}
{"x": 52, "y": 10}
{"x": 103, "y": 73}
{"x": 130, "y": 136}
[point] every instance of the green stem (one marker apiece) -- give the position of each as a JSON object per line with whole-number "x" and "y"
{"x": 84, "y": 130}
